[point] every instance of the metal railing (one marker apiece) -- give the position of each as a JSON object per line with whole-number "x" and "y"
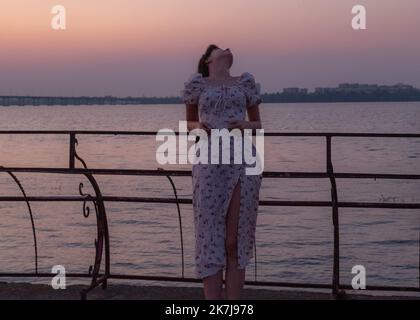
{"x": 102, "y": 242}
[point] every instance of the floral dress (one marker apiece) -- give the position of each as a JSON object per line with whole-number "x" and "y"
{"x": 213, "y": 184}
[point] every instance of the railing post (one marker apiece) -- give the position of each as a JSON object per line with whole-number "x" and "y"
{"x": 72, "y": 150}
{"x": 336, "y": 232}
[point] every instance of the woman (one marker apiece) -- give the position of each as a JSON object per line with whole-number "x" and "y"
{"x": 225, "y": 200}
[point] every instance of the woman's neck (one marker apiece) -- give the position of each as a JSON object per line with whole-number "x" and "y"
{"x": 221, "y": 72}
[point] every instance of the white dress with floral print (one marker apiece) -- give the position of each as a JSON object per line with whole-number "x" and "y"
{"x": 213, "y": 184}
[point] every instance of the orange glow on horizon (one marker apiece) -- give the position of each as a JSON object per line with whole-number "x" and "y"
{"x": 147, "y": 34}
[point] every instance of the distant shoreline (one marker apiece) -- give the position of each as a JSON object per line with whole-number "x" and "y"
{"x": 345, "y": 92}
{"x": 6, "y": 101}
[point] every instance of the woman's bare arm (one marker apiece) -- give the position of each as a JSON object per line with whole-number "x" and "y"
{"x": 254, "y": 117}
{"x": 192, "y": 116}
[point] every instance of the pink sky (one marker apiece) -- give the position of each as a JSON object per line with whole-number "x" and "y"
{"x": 150, "y": 47}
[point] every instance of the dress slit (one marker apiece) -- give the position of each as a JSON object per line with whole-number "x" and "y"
{"x": 238, "y": 181}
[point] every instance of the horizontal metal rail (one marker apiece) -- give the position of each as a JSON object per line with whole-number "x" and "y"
{"x": 267, "y": 134}
{"x": 268, "y": 203}
{"x": 102, "y": 244}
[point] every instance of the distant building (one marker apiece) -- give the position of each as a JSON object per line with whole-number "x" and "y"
{"x": 357, "y": 88}
{"x": 401, "y": 86}
{"x": 325, "y": 90}
{"x": 294, "y": 90}
{"x": 360, "y": 88}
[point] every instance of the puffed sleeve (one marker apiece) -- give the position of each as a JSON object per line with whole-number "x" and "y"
{"x": 252, "y": 91}
{"x": 192, "y": 89}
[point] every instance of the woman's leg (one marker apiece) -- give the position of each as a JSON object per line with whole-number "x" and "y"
{"x": 213, "y": 286}
{"x": 235, "y": 277}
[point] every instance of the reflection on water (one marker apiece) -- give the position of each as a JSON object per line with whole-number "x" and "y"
{"x": 294, "y": 243}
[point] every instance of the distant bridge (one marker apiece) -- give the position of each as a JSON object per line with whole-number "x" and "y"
{"x": 64, "y": 101}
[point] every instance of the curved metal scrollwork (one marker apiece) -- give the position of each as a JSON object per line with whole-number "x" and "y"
{"x": 102, "y": 240}
{"x": 179, "y": 217}
{"x": 30, "y": 215}
{"x": 88, "y": 197}
{"x": 77, "y": 156}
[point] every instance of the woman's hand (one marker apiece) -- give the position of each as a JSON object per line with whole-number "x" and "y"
{"x": 204, "y": 126}
{"x": 239, "y": 124}
{"x": 243, "y": 124}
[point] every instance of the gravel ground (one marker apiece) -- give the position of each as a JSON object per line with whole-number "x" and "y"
{"x": 16, "y": 291}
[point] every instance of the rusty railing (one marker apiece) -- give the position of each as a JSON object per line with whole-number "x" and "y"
{"x": 102, "y": 243}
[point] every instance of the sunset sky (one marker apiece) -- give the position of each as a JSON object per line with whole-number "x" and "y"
{"x": 150, "y": 47}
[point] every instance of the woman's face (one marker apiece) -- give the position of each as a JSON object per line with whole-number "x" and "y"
{"x": 218, "y": 55}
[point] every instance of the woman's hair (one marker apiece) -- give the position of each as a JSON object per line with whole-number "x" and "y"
{"x": 203, "y": 67}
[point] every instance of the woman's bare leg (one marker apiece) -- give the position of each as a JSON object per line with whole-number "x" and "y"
{"x": 235, "y": 277}
{"x": 224, "y": 293}
{"x": 213, "y": 286}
